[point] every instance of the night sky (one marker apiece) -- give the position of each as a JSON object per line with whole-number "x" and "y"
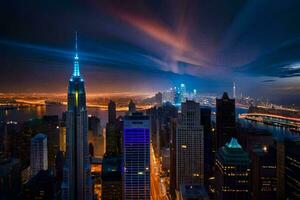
{"x": 151, "y": 45}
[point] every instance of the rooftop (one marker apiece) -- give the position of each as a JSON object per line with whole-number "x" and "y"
{"x": 233, "y": 144}
{"x": 193, "y": 191}
{"x": 39, "y": 136}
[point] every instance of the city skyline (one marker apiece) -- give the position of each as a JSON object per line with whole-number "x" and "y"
{"x": 185, "y": 42}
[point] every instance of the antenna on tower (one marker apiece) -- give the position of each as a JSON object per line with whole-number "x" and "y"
{"x": 76, "y": 45}
{"x": 76, "y": 71}
{"x": 234, "y": 94}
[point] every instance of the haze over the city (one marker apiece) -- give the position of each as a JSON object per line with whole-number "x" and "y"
{"x": 150, "y": 45}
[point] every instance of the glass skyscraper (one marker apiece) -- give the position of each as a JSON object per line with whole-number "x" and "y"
{"x": 39, "y": 153}
{"x": 136, "y": 152}
{"x": 77, "y": 183}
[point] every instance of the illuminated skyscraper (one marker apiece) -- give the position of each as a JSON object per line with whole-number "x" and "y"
{"x": 182, "y": 92}
{"x": 232, "y": 172}
{"x": 39, "y": 154}
{"x": 189, "y": 146}
{"x": 177, "y": 97}
{"x": 77, "y": 182}
{"x": 136, "y": 157}
{"x": 234, "y": 90}
{"x": 194, "y": 95}
{"x": 263, "y": 173}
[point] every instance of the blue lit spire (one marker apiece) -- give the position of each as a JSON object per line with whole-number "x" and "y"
{"x": 234, "y": 144}
{"x": 76, "y": 71}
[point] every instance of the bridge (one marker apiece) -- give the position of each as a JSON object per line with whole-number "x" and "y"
{"x": 272, "y": 119}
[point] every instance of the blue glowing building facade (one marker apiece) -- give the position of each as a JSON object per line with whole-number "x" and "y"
{"x": 136, "y": 157}
{"x": 77, "y": 182}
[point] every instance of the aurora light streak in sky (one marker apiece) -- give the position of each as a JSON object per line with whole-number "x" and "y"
{"x": 151, "y": 45}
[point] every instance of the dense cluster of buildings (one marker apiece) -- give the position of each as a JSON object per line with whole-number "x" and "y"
{"x": 176, "y": 95}
{"x": 175, "y": 150}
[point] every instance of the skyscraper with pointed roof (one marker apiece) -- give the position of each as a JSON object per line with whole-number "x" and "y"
{"x": 232, "y": 172}
{"x": 77, "y": 183}
{"x": 234, "y": 90}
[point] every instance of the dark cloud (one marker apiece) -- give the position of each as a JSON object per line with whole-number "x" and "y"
{"x": 281, "y": 62}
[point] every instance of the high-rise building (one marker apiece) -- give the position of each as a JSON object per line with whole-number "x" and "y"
{"x": 288, "y": 168}
{"x": 160, "y": 118}
{"x": 292, "y": 169}
{"x": 21, "y": 140}
{"x": 10, "y": 177}
{"x": 40, "y": 186}
{"x": 177, "y": 97}
{"x": 59, "y": 166}
{"x": 182, "y": 92}
{"x": 94, "y": 125}
{"x": 136, "y": 157}
{"x": 120, "y": 127}
{"x": 62, "y": 138}
{"x": 38, "y": 153}
{"x": 225, "y": 120}
{"x": 113, "y": 146}
{"x": 208, "y": 154}
{"x": 173, "y": 158}
{"x": 25, "y": 174}
{"x": 234, "y": 90}
{"x": 193, "y": 192}
{"x": 165, "y": 159}
{"x": 10, "y": 133}
{"x": 189, "y": 146}
{"x": 77, "y": 182}
{"x": 131, "y": 107}
{"x": 112, "y": 139}
{"x": 232, "y": 172}
{"x": 194, "y": 95}
{"x": 263, "y": 173}
{"x": 112, "y": 113}
{"x": 112, "y": 177}
{"x": 51, "y": 130}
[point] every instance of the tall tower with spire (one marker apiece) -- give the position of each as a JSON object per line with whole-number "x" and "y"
{"x": 77, "y": 182}
{"x": 234, "y": 92}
